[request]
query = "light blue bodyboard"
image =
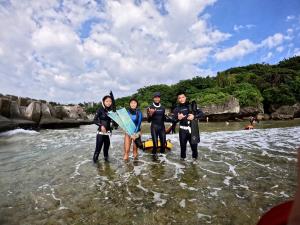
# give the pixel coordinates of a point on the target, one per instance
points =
(122, 118)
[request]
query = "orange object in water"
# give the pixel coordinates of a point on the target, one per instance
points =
(278, 215)
(249, 127)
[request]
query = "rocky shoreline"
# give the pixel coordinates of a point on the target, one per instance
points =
(27, 113)
(232, 111)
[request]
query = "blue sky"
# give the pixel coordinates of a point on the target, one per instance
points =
(268, 17)
(75, 51)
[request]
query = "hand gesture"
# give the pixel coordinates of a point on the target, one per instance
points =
(180, 116)
(151, 111)
(191, 117)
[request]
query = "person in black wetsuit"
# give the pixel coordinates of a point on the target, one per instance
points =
(182, 114)
(156, 115)
(103, 122)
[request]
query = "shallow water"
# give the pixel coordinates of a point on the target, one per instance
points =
(48, 177)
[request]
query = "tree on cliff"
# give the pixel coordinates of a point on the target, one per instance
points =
(253, 84)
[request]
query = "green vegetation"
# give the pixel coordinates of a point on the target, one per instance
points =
(270, 85)
(93, 109)
(210, 96)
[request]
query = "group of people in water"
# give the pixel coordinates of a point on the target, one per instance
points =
(287, 213)
(156, 115)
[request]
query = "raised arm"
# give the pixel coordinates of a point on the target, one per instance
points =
(149, 115)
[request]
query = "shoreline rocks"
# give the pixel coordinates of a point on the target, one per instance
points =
(228, 110)
(29, 113)
(283, 113)
(6, 124)
(26, 113)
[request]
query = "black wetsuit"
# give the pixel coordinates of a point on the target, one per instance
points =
(101, 119)
(158, 127)
(184, 132)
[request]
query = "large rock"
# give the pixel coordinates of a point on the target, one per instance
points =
(75, 112)
(251, 110)
(22, 111)
(220, 112)
(262, 116)
(297, 110)
(24, 101)
(12, 97)
(6, 124)
(283, 113)
(52, 111)
(91, 117)
(14, 110)
(5, 107)
(60, 112)
(33, 112)
(45, 111)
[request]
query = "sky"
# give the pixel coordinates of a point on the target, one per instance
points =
(78, 50)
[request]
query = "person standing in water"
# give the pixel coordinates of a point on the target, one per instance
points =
(156, 115)
(136, 116)
(103, 122)
(251, 120)
(183, 114)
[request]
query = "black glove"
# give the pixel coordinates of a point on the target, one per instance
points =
(115, 125)
(139, 143)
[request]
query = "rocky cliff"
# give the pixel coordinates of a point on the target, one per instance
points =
(33, 114)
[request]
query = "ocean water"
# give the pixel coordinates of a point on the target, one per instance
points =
(48, 177)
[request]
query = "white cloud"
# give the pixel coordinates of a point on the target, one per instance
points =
(127, 47)
(290, 17)
(273, 41)
(242, 48)
(240, 27)
(297, 51)
(267, 57)
(246, 46)
(280, 49)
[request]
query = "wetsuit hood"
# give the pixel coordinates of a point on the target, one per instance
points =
(102, 102)
(106, 108)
